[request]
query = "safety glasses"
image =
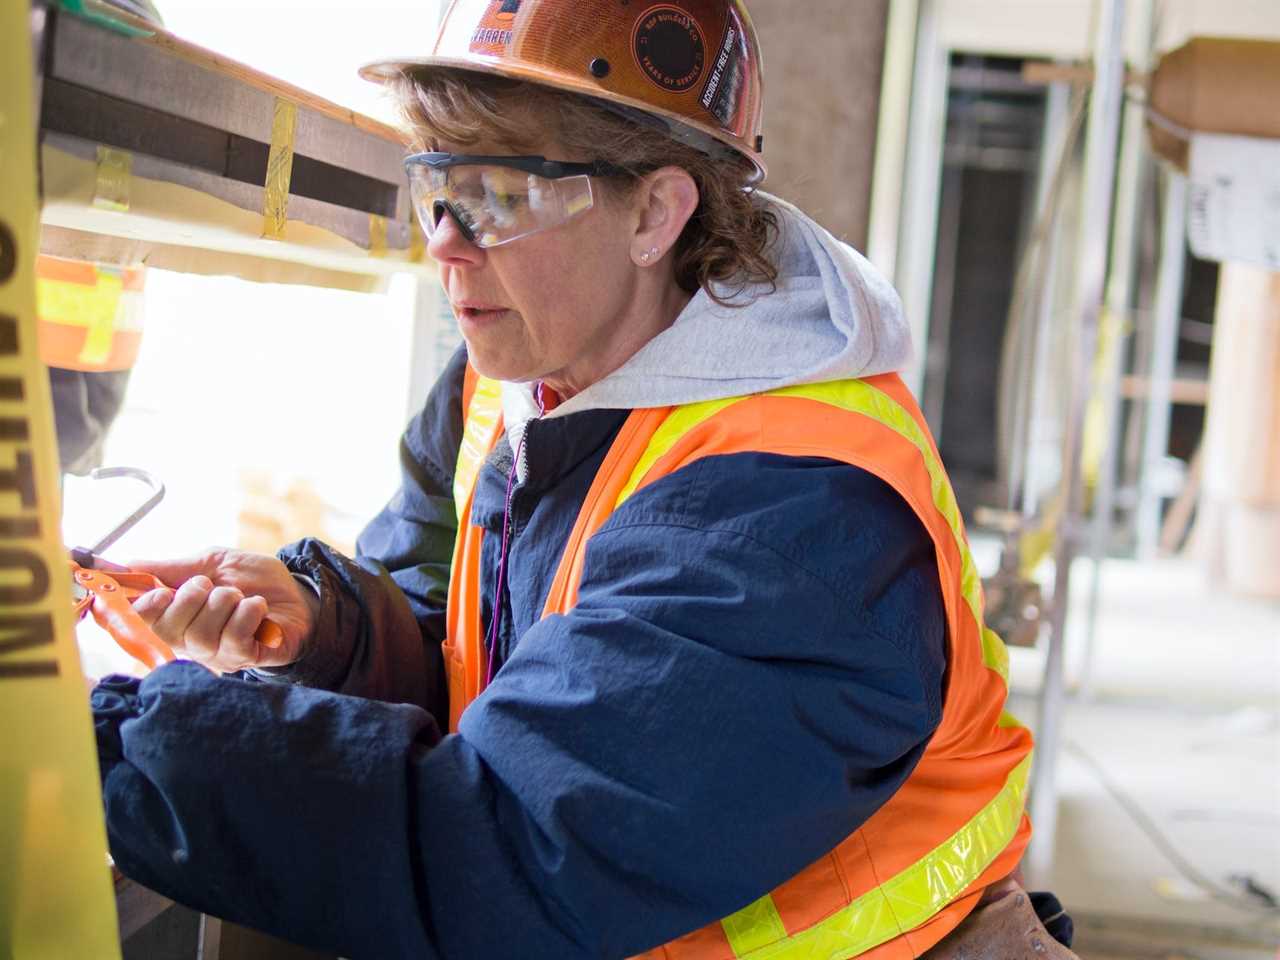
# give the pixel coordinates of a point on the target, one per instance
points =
(497, 200)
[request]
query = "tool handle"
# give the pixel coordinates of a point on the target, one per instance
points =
(120, 589)
(270, 634)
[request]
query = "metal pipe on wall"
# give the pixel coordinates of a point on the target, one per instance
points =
(1168, 313)
(1026, 482)
(922, 187)
(1134, 158)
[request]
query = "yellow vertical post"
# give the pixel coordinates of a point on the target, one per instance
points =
(56, 895)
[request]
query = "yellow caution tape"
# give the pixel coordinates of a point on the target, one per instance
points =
(377, 235)
(56, 897)
(275, 203)
(115, 170)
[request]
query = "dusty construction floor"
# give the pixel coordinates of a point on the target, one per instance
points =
(1181, 728)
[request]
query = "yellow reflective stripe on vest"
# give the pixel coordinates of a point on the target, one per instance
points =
(680, 421)
(905, 901)
(855, 396)
(477, 437)
(754, 927)
(96, 308)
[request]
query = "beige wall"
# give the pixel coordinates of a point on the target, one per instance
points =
(823, 60)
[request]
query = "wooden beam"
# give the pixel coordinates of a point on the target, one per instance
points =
(172, 44)
(1042, 73)
(1184, 390)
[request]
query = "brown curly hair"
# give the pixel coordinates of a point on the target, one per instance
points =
(726, 243)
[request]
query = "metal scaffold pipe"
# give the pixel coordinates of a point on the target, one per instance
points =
(1100, 167)
(1135, 166)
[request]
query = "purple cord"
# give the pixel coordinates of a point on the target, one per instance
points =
(502, 557)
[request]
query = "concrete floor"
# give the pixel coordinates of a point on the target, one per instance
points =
(1180, 727)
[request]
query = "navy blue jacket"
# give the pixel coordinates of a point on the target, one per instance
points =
(754, 666)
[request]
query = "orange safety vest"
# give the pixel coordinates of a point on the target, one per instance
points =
(905, 878)
(90, 316)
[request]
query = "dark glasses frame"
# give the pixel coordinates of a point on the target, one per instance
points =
(536, 165)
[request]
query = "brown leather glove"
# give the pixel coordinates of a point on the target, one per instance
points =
(1003, 927)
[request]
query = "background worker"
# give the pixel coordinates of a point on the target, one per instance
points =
(670, 639)
(90, 331)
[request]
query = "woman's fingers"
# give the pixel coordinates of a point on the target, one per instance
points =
(150, 605)
(171, 626)
(205, 632)
(214, 625)
(238, 648)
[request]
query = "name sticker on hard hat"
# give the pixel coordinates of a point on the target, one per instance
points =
(494, 33)
(669, 48)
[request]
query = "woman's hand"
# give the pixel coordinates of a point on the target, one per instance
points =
(216, 601)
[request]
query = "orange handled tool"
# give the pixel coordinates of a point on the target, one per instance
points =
(118, 586)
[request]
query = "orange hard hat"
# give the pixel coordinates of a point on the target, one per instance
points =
(693, 65)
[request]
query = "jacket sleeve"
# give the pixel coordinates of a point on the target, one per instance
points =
(752, 669)
(381, 617)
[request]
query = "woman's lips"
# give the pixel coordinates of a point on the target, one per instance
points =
(479, 313)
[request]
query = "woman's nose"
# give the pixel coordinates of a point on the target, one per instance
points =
(448, 244)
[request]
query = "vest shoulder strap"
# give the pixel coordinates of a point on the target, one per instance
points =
(481, 427)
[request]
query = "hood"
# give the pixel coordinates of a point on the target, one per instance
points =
(832, 317)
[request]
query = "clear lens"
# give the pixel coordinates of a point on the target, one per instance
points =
(495, 204)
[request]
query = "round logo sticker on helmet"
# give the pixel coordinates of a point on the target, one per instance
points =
(669, 48)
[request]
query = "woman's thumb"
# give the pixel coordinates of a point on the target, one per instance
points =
(174, 573)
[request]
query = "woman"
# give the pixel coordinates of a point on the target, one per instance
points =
(670, 639)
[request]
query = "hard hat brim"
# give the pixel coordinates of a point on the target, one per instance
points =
(676, 126)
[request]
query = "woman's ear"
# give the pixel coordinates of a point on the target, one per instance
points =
(664, 201)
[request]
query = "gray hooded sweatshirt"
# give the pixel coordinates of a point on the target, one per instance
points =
(833, 317)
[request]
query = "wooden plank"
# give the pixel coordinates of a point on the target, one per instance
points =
(216, 62)
(220, 94)
(96, 117)
(122, 67)
(352, 225)
(136, 905)
(1191, 392)
(212, 224)
(324, 138)
(79, 245)
(1042, 73)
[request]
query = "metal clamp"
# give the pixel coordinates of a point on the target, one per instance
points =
(86, 556)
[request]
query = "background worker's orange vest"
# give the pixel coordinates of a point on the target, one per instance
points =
(90, 316)
(905, 878)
